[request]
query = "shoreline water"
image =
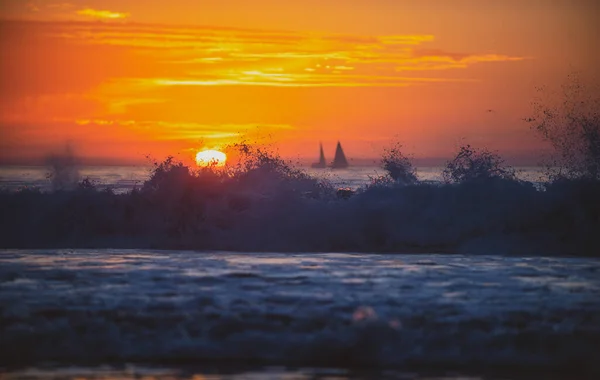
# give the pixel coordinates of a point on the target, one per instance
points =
(229, 371)
(420, 315)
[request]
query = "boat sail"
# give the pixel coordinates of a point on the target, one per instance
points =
(339, 161)
(321, 164)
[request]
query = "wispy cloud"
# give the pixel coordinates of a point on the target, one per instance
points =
(216, 56)
(164, 131)
(101, 14)
(435, 59)
(123, 66)
(132, 84)
(257, 78)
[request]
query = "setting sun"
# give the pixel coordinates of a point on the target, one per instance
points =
(211, 157)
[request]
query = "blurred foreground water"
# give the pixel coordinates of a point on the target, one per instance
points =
(220, 315)
(125, 178)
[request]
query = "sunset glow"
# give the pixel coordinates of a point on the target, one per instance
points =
(126, 79)
(211, 158)
(101, 14)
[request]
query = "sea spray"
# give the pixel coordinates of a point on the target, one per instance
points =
(64, 169)
(264, 204)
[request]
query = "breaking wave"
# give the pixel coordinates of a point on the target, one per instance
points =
(265, 204)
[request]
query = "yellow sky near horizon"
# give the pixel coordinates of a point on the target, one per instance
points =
(125, 79)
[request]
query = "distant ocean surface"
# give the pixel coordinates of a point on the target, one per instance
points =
(125, 178)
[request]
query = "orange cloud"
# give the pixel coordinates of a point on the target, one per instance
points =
(211, 135)
(143, 84)
(102, 14)
(458, 60)
(446, 61)
(123, 66)
(218, 56)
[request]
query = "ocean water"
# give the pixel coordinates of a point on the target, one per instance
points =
(125, 178)
(273, 209)
(120, 178)
(507, 303)
(220, 315)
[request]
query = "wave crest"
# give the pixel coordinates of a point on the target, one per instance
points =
(263, 203)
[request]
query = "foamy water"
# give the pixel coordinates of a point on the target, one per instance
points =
(221, 312)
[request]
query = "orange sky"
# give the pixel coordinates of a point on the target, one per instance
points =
(122, 79)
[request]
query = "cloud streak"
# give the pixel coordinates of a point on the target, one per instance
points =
(101, 14)
(218, 56)
(165, 131)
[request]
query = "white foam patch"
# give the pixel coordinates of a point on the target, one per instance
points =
(298, 309)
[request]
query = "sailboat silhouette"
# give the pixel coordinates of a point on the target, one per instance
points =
(339, 161)
(321, 164)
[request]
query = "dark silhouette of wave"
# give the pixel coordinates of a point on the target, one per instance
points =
(265, 204)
